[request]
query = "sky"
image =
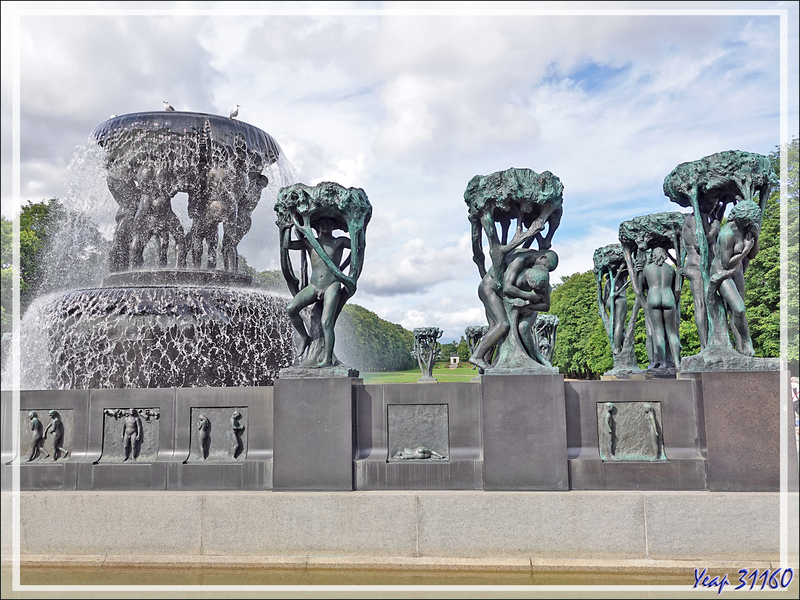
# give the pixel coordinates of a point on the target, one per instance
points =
(409, 105)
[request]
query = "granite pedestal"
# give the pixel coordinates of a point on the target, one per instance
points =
(445, 418)
(524, 433)
(314, 438)
(740, 412)
(682, 466)
(232, 462)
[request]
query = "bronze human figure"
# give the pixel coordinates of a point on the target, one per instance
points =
(326, 207)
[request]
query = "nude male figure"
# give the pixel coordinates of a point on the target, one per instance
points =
(37, 439)
(323, 287)
(518, 261)
(737, 241)
(131, 434)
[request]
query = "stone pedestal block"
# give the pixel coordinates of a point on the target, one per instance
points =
(43, 472)
(237, 454)
(524, 432)
(741, 415)
(314, 439)
(678, 464)
(444, 418)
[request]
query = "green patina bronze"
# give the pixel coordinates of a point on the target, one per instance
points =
(714, 257)
(520, 203)
(646, 242)
(611, 274)
(325, 207)
(426, 350)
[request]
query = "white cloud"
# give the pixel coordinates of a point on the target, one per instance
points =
(416, 267)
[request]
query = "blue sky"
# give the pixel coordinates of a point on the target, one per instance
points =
(410, 106)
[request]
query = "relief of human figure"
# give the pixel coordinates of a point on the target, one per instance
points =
(236, 431)
(659, 282)
(204, 435)
(607, 432)
(323, 287)
(56, 427)
(37, 438)
(737, 242)
(652, 429)
(131, 434)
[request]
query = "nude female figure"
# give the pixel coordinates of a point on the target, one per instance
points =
(660, 281)
(37, 439)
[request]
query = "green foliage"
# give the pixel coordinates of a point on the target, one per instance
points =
(34, 220)
(368, 343)
(271, 280)
(582, 350)
(763, 276)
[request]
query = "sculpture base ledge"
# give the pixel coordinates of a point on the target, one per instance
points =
(623, 373)
(177, 277)
(426, 379)
(336, 372)
(663, 373)
(539, 370)
(716, 359)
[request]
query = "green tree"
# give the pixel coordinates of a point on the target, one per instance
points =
(369, 343)
(763, 275)
(582, 350)
(34, 220)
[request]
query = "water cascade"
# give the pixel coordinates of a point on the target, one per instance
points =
(191, 318)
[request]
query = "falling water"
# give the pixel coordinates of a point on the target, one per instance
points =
(80, 334)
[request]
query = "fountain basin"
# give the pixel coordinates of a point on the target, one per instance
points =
(163, 336)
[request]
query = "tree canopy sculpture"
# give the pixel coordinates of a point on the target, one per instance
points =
(325, 207)
(716, 256)
(427, 350)
(612, 276)
(646, 242)
(546, 328)
(517, 284)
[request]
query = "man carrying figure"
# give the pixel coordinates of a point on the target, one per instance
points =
(323, 286)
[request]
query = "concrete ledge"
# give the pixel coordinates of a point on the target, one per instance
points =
(322, 528)
(394, 564)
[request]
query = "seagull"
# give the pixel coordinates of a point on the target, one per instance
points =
(168, 107)
(235, 111)
(113, 117)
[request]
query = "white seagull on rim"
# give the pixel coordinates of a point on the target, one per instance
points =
(168, 107)
(235, 111)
